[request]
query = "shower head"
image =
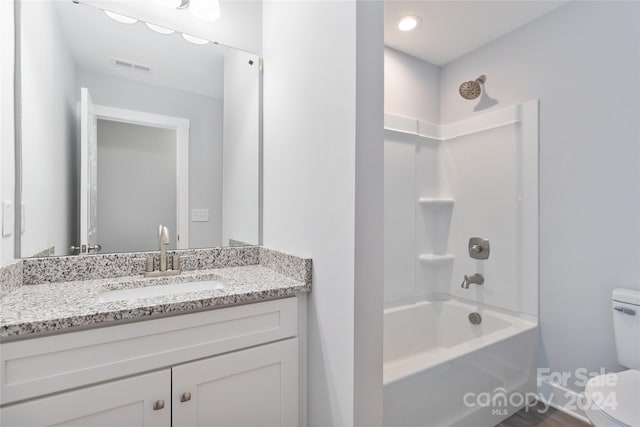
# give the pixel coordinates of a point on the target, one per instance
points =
(472, 88)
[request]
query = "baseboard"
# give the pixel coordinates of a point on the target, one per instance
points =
(561, 398)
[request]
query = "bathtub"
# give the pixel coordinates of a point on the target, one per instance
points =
(440, 370)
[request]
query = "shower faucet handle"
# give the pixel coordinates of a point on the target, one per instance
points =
(479, 248)
(476, 249)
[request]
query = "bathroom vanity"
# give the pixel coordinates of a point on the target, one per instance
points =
(73, 354)
(130, 336)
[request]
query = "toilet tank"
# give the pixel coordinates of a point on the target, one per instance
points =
(626, 326)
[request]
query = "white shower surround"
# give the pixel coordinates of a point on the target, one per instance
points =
(441, 174)
(475, 177)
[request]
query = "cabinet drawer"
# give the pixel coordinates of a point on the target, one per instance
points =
(40, 366)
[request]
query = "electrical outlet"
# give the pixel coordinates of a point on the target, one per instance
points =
(200, 215)
(8, 220)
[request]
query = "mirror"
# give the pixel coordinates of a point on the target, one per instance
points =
(126, 126)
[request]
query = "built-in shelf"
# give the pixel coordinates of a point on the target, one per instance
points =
(435, 258)
(428, 201)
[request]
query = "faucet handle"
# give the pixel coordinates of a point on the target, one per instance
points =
(148, 260)
(149, 264)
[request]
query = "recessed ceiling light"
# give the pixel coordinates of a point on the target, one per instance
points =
(408, 23)
(159, 29)
(194, 39)
(120, 18)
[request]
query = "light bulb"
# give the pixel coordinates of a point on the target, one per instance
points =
(408, 23)
(159, 29)
(194, 39)
(206, 10)
(120, 18)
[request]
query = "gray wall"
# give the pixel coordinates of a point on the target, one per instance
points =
(49, 133)
(136, 186)
(205, 140)
(582, 62)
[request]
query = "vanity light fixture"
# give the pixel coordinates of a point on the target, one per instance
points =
(159, 29)
(408, 23)
(194, 39)
(120, 18)
(206, 10)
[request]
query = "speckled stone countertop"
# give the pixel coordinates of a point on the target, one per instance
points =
(57, 306)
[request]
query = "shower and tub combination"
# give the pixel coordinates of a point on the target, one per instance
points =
(461, 266)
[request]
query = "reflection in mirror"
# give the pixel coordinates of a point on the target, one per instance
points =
(128, 126)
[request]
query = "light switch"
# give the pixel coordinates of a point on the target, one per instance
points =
(200, 215)
(7, 218)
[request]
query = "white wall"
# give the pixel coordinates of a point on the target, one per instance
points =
(137, 186)
(49, 131)
(6, 118)
(310, 134)
(369, 215)
(582, 62)
(411, 89)
(241, 136)
(205, 140)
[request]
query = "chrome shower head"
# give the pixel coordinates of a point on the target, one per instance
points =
(473, 88)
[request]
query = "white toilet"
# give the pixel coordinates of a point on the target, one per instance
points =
(615, 400)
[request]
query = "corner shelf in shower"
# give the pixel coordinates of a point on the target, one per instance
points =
(436, 258)
(428, 201)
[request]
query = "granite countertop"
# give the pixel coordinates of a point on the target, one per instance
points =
(51, 307)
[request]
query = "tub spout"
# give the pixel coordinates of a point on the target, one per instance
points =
(477, 279)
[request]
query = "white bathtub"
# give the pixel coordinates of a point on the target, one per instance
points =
(440, 370)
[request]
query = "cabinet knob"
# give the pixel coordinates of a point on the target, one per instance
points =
(158, 404)
(185, 397)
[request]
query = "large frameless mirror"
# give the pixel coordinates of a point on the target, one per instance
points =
(127, 125)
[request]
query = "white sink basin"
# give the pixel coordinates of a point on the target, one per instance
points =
(159, 290)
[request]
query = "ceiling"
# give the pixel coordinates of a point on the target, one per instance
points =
(239, 25)
(96, 40)
(450, 29)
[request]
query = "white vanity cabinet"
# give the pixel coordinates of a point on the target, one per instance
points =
(141, 401)
(257, 387)
(236, 366)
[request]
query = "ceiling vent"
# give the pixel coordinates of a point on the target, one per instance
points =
(121, 63)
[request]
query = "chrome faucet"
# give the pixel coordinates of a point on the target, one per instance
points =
(477, 279)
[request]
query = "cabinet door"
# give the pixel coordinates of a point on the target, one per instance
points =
(124, 403)
(257, 387)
